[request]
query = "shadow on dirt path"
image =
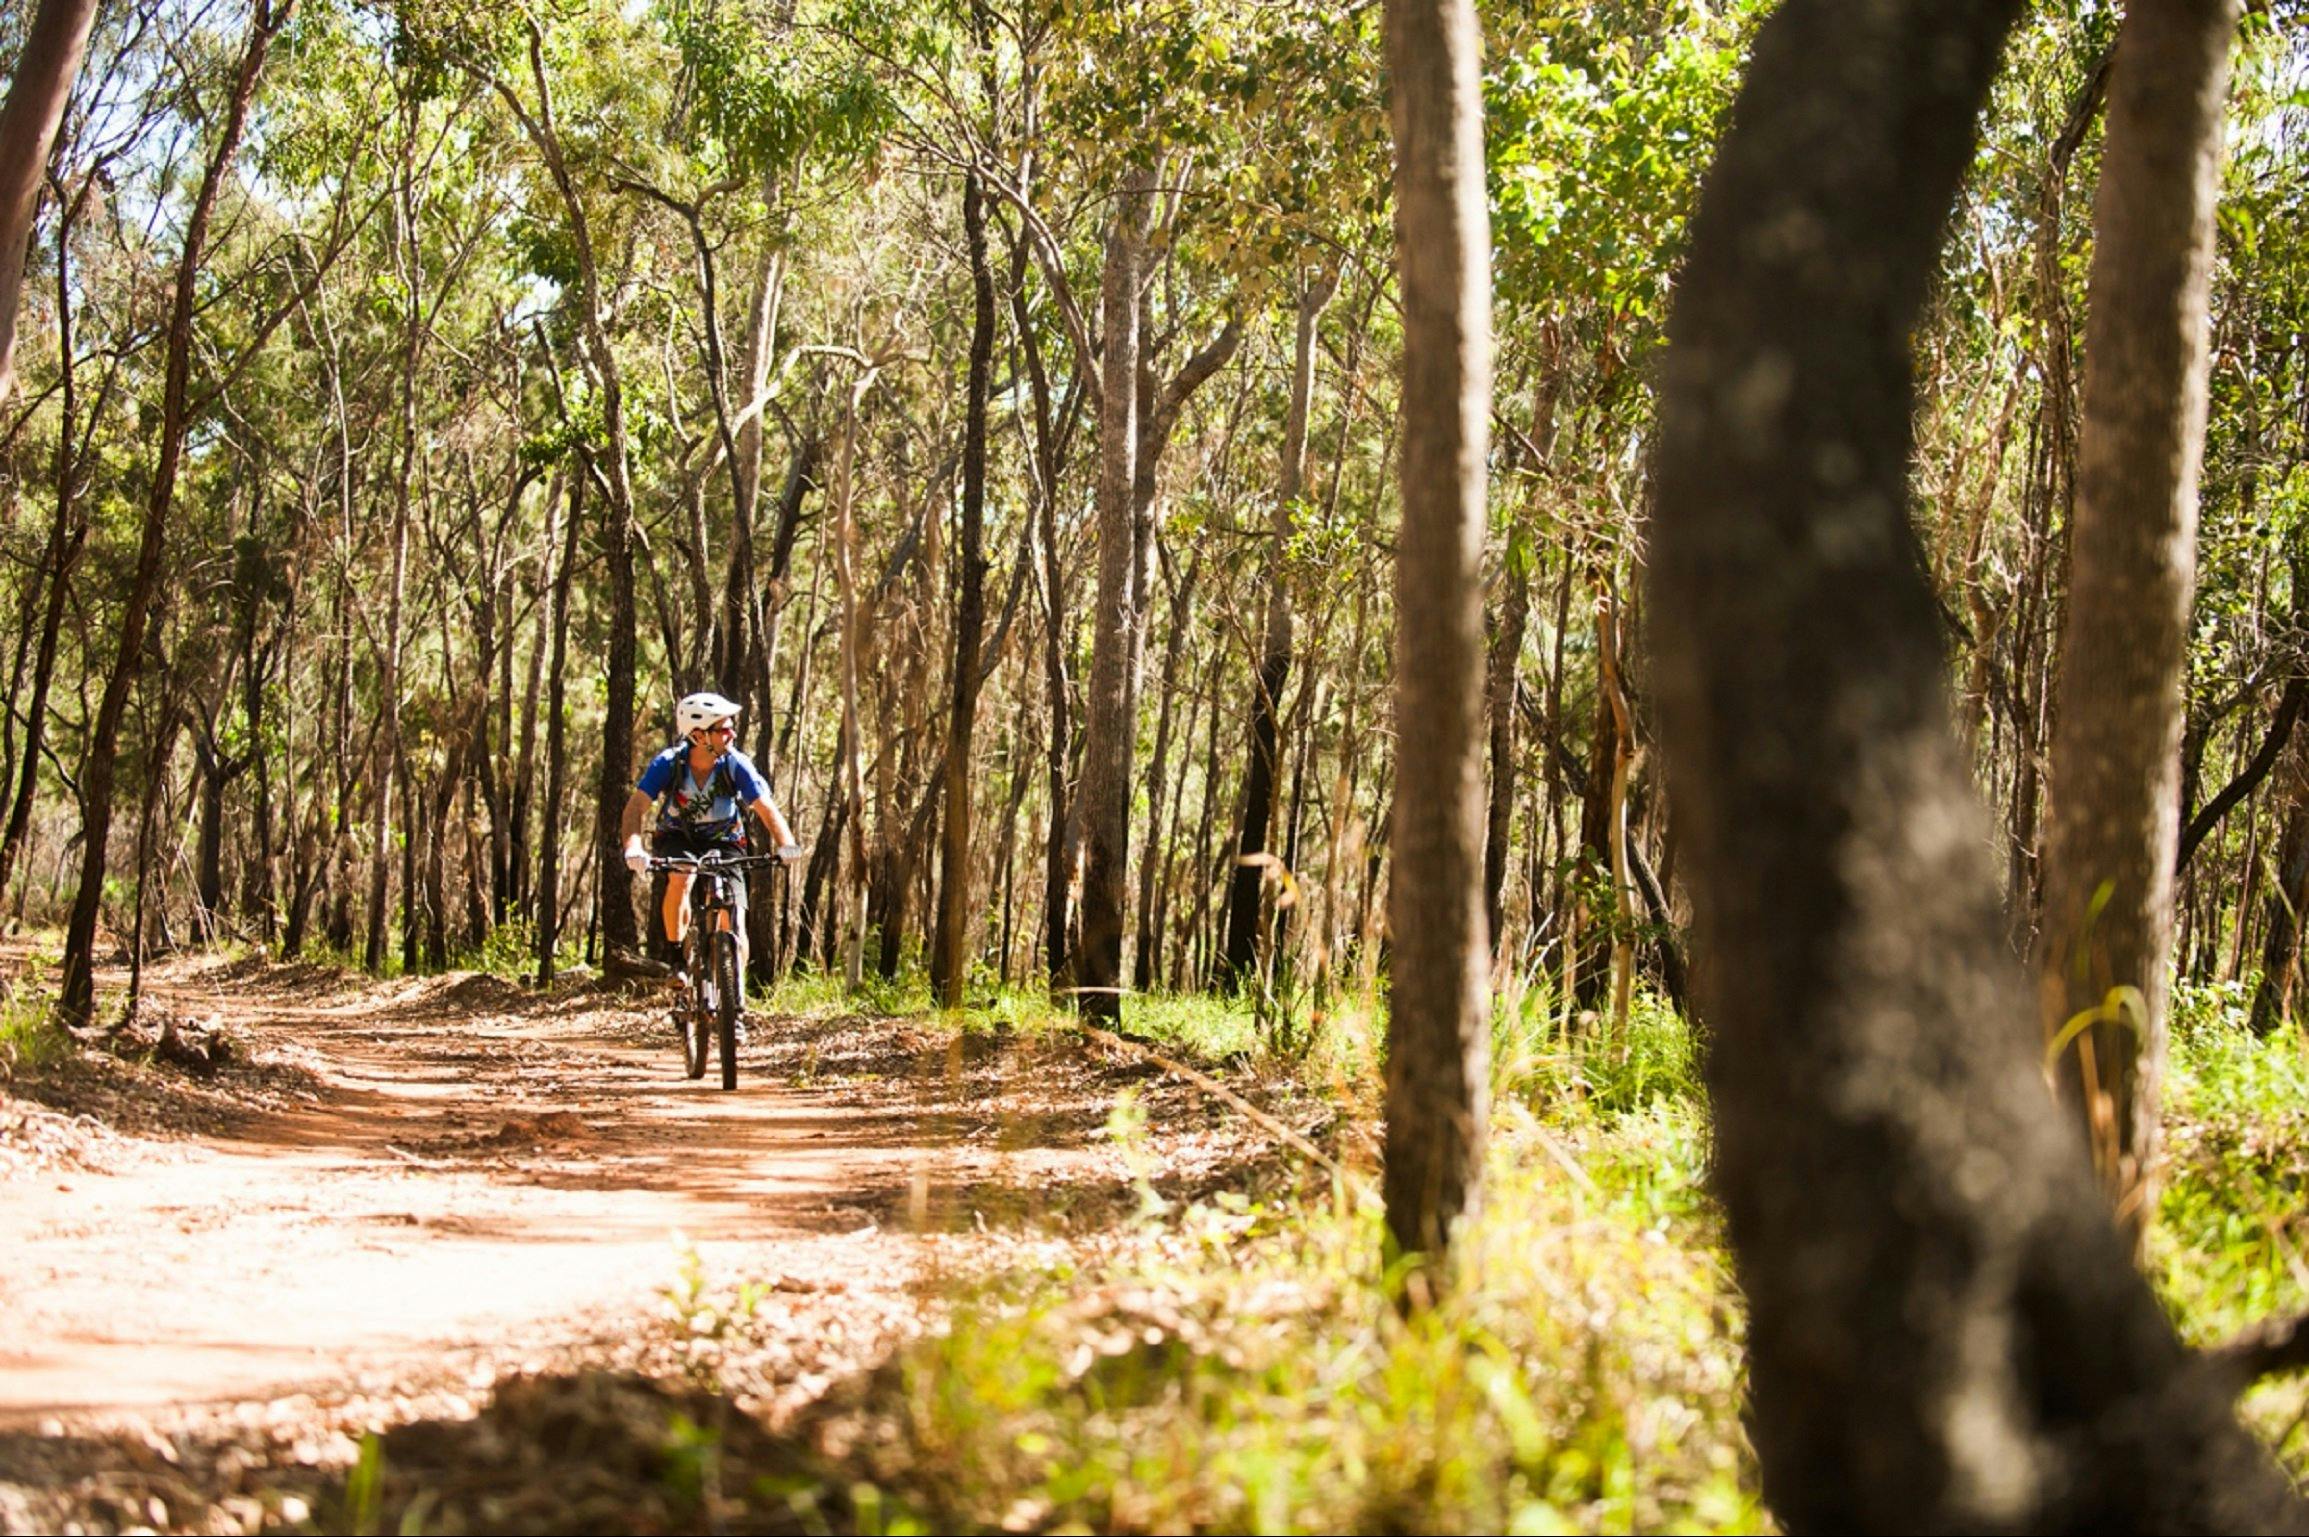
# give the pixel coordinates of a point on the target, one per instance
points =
(462, 1169)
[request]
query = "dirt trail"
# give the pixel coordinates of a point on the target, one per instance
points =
(439, 1182)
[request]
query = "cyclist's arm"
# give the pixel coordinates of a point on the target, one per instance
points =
(636, 808)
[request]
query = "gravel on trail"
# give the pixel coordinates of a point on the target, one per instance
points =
(298, 1248)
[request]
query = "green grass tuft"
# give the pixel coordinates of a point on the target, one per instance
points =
(1243, 1365)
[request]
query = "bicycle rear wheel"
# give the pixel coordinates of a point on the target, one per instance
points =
(725, 950)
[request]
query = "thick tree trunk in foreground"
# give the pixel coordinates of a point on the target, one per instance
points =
(2107, 920)
(1944, 1328)
(38, 92)
(1438, 1034)
(76, 1003)
(949, 959)
(1103, 797)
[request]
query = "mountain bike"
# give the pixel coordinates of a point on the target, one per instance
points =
(709, 1009)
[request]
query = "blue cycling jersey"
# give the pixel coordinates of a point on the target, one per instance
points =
(714, 805)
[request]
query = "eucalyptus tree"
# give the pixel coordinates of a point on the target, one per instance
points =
(39, 89)
(2104, 949)
(1595, 138)
(76, 1001)
(1438, 1062)
(536, 69)
(1944, 1328)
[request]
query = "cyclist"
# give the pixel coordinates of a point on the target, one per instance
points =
(702, 787)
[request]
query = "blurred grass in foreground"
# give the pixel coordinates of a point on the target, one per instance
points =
(2227, 1249)
(1241, 1365)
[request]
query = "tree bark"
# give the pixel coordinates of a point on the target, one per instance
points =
(1248, 876)
(2281, 951)
(76, 1003)
(1103, 798)
(389, 764)
(556, 743)
(2107, 920)
(67, 538)
(1499, 691)
(1438, 1038)
(1944, 1329)
(1146, 954)
(38, 92)
(950, 960)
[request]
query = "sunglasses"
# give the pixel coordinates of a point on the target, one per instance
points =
(715, 731)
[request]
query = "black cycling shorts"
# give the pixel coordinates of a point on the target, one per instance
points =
(691, 842)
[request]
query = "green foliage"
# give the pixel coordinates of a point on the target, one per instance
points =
(706, 1316)
(1595, 142)
(2227, 1250)
(769, 93)
(29, 1034)
(1243, 1365)
(1655, 1061)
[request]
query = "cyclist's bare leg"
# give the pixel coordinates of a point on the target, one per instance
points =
(675, 912)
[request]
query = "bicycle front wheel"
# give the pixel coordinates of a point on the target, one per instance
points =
(696, 1021)
(726, 1004)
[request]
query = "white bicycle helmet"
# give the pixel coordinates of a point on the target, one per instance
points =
(701, 710)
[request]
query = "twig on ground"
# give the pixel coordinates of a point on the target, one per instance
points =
(1210, 1085)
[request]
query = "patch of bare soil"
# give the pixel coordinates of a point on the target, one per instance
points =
(497, 1237)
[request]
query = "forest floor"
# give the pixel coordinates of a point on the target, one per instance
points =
(325, 1209)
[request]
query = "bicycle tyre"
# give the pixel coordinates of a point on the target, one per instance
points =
(694, 1018)
(725, 947)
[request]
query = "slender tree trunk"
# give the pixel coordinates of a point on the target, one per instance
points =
(76, 1004)
(2108, 914)
(1103, 805)
(1146, 954)
(2280, 954)
(556, 743)
(38, 92)
(67, 538)
(950, 960)
(525, 765)
(1499, 691)
(1438, 1035)
(389, 753)
(1249, 874)
(852, 745)
(1944, 1329)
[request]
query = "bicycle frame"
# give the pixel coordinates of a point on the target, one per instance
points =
(716, 966)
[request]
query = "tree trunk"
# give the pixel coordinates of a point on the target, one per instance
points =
(38, 92)
(76, 1004)
(2107, 920)
(556, 743)
(525, 765)
(2280, 954)
(950, 959)
(389, 754)
(1249, 874)
(1438, 1058)
(67, 538)
(1944, 1329)
(1146, 954)
(1103, 800)
(1499, 705)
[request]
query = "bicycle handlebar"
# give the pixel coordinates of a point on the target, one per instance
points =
(694, 863)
